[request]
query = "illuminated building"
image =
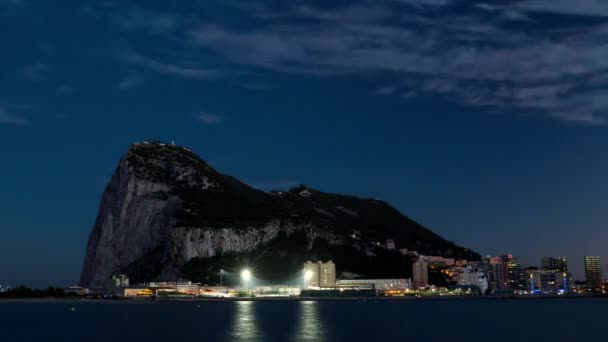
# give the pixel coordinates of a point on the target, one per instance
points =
(327, 274)
(311, 269)
(469, 277)
(120, 280)
(137, 292)
(593, 272)
(555, 263)
(548, 281)
(516, 277)
(319, 274)
(497, 277)
(376, 284)
(420, 273)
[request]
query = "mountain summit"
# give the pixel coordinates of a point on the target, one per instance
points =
(168, 215)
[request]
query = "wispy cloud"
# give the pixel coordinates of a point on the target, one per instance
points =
(156, 22)
(36, 72)
(11, 119)
(65, 89)
(462, 55)
(209, 119)
(592, 8)
(130, 81)
(167, 68)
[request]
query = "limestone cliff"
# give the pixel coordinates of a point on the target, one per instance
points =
(167, 215)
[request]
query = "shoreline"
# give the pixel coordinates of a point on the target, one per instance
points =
(136, 301)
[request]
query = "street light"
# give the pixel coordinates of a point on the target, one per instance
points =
(246, 275)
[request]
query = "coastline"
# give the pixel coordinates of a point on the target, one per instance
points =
(136, 301)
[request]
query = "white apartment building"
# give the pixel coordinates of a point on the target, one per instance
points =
(319, 274)
(468, 277)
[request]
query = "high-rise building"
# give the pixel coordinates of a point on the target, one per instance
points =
(548, 281)
(497, 277)
(516, 277)
(320, 274)
(505, 272)
(327, 274)
(555, 263)
(420, 273)
(593, 272)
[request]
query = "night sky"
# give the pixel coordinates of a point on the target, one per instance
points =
(485, 121)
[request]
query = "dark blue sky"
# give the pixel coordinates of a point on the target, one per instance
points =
(485, 121)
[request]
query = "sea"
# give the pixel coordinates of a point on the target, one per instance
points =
(552, 320)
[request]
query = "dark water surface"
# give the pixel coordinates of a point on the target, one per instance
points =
(429, 320)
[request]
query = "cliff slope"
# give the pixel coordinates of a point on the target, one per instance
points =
(168, 215)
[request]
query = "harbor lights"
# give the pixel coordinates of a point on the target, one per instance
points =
(245, 276)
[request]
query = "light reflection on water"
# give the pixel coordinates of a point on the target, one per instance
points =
(245, 326)
(304, 323)
(310, 327)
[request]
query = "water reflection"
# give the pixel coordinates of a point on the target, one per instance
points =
(310, 327)
(245, 327)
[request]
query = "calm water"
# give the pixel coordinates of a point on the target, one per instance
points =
(451, 320)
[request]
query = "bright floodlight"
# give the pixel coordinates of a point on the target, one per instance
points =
(307, 275)
(246, 275)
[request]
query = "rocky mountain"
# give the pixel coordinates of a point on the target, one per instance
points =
(168, 215)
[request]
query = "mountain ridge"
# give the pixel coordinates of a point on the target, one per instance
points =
(167, 215)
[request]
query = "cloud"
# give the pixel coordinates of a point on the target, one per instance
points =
(514, 15)
(209, 119)
(13, 120)
(12, 2)
(488, 7)
(139, 19)
(167, 68)
(64, 89)
(592, 8)
(36, 72)
(130, 81)
(385, 91)
(460, 55)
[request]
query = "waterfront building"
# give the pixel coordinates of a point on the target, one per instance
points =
(319, 274)
(516, 277)
(470, 277)
(593, 273)
(548, 281)
(420, 272)
(312, 270)
(137, 292)
(555, 263)
(497, 277)
(120, 280)
(376, 284)
(77, 290)
(188, 288)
